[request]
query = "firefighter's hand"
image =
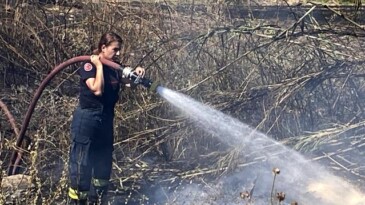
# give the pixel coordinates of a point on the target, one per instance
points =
(95, 59)
(139, 71)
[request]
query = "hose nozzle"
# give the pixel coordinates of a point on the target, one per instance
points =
(136, 79)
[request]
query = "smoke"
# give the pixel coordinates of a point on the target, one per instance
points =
(301, 180)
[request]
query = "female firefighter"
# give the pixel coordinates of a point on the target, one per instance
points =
(90, 161)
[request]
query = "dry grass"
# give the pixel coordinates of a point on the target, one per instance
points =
(298, 77)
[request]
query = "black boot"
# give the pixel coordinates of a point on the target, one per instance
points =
(98, 196)
(76, 202)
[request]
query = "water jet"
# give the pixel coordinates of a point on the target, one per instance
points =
(300, 179)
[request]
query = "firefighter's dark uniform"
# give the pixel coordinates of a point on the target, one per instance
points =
(92, 136)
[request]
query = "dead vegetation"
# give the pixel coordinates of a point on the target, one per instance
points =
(297, 76)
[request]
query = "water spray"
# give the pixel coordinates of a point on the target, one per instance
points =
(303, 180)
(127, 71)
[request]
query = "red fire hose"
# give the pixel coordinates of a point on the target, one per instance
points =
(14, 161)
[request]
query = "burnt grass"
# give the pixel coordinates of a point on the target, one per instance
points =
(294, 76)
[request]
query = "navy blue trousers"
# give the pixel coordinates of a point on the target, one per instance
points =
(91, 148)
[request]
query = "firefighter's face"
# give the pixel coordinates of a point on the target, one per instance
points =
(111, 51)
